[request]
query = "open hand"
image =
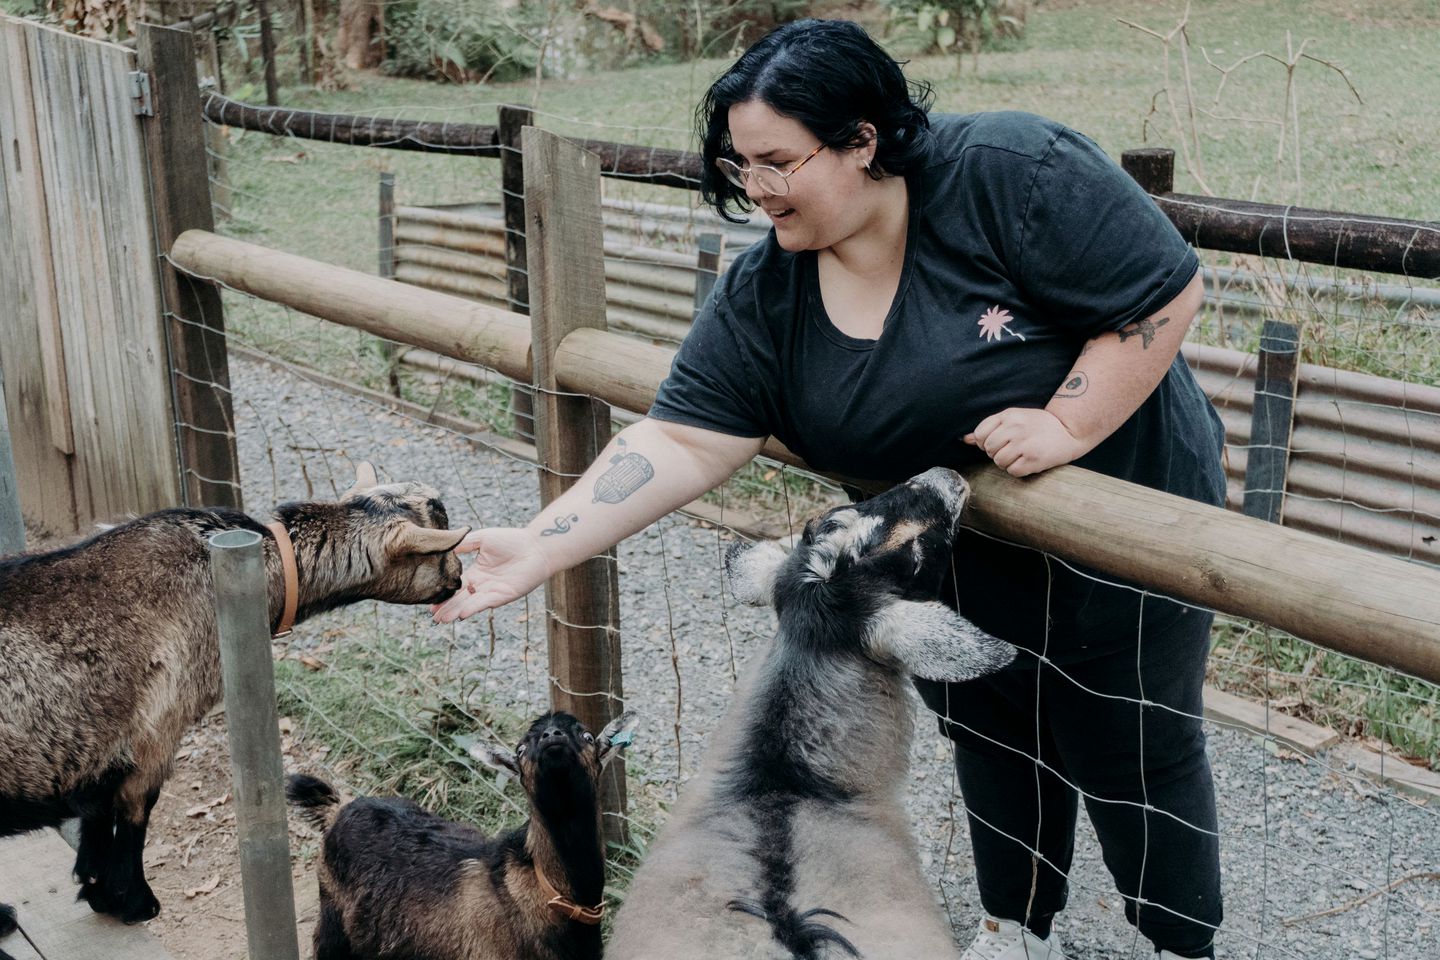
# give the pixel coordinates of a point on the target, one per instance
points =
(508, 564)
(1023, 440)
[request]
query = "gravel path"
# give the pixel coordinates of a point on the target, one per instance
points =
(1297, 837)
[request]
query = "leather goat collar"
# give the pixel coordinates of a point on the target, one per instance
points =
(292, 576)
(564, 906)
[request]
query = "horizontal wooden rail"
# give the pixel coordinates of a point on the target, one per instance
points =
(1343, 598)
(448, 325)
(1388, 245)
(629, 161)
(1409, 248)
(356, 130)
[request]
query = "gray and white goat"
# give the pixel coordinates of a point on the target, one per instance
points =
(792, 840)
(109, 651)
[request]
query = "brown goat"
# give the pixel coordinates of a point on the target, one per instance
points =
(109, 651)
(398, 881)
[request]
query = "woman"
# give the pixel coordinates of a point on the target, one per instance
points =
(937, 290)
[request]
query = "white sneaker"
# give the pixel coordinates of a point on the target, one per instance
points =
(1008, 940)
(1171, 955)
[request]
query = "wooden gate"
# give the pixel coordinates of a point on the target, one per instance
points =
(83, 340)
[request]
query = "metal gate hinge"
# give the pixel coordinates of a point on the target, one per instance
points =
(143, 105)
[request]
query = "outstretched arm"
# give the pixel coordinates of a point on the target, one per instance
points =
(646, 471)
(1113, 375)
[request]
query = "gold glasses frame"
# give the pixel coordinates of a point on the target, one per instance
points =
(777, 187)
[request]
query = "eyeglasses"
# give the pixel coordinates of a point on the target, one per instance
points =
(770, 179)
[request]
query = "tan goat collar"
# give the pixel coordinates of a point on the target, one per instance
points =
(565, 907)
(292, 576)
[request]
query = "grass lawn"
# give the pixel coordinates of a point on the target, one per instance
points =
(1080, 65)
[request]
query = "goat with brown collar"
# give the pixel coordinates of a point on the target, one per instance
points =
(399, 881)
(109, 651)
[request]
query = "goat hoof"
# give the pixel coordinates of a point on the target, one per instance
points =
(8, 922)
(141, 907)
(99, 898)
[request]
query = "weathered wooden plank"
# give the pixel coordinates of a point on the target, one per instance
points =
(79, 268)
(103, 249)
(1388, 771)
(1309, 738)
(199, 374)
(30, 199)
(38, 883)
(18, 947)
(35, 385)
(567, 292)
(12, 522)
(1272, 418)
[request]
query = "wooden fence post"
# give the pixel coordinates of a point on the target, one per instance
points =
(707, 266)
(1151, 167)
(388, 348)
(267, 52)
(217, 144)
(195, 327)
(12, 522)
(513, 119)
(1271, 421)
(566, 293)
(237, 566)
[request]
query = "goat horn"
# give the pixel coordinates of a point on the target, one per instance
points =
(365, 478)
(410, 537)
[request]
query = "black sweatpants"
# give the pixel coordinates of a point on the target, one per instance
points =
(1101, 724)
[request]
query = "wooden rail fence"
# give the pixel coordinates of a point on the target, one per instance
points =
(1338, 596)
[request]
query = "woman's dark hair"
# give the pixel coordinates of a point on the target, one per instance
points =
(830, 76)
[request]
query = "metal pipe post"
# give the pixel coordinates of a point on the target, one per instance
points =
(237, 563)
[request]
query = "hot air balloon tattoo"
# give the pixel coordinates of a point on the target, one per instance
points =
(628, 472)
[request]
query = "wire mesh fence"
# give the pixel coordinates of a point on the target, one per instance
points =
(1324, 853)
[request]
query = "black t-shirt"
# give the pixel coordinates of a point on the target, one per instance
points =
(1024, 241)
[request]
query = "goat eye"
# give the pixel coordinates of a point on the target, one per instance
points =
(589, 737)
(520, 750)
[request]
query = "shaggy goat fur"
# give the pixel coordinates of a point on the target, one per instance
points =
(398, 881)
(792, 840)
(109, 651)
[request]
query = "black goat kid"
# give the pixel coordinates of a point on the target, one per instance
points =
(398, 881)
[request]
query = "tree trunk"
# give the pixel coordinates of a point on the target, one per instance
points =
(362, 26)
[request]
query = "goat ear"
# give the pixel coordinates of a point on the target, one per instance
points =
(411, 538)
(932, 641)
(499, 759)
(751, 569)
(616, 736)
(365, 478)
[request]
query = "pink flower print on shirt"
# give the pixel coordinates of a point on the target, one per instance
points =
(996, 321)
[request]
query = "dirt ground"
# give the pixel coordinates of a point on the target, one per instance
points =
(192, 855)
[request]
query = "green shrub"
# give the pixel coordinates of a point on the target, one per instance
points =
(458, 40)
